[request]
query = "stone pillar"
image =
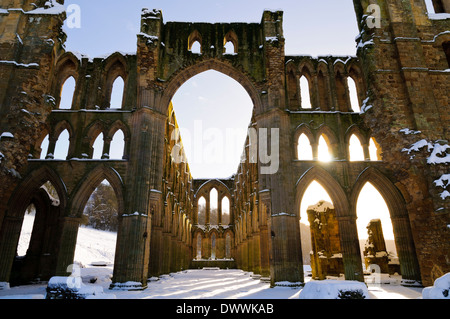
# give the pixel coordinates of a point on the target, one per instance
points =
(286, 262)
(256, 254)
(156, 252)
(9, 238)
(67, 243)
(375, 249)
(106, 147)
(131, 260)
(166, 252)
(406, 251)
(51, 148)
(265, 237)
(350, 248)
(326, 249)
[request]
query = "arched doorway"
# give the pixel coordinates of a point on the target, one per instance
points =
(99, 224)
(346, 221)
(401, 229)
(44, 193)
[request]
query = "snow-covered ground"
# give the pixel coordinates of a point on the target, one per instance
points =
(95, 246)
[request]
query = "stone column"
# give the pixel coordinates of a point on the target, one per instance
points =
(9, 238)
(106, 147)
(51, 148)
(256, 254)
(67, 243)
(350, 248)
(131, 260)
(406, 251)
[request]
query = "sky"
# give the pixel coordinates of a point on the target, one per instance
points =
(214, 111)
(212, 107)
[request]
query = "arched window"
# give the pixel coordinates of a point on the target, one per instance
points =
(98, 147)
(229, 48)
(117, 91)
(374, 150)
(304, 91)
(353, 93)
(435, 6)
(446, 47)
(67, 94)
(117, 146)
(62, 146)
(195, 42)
(323, 150)
(196, 48)
(213, 205)
(201, 219)
(356, 150)
(44, 147)
(26, 231)
(225, 211)
(230, 43)
(304, 149)
(30, 217)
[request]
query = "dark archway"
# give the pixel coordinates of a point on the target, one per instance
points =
(42, 258)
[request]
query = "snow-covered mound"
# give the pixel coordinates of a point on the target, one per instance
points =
(334, 289)
(440, 289)
(94, 247)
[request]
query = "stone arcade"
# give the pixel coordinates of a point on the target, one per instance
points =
(402, 79)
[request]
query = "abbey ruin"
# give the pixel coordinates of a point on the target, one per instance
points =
(401, 71)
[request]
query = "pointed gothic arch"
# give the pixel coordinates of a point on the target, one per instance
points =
(89, 183)
(180, 77)
(399, 215)
(346, 218)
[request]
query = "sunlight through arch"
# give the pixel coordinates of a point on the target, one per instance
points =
(372, 206)
(313, 194)
(353, 93)
(304, 90)
(374, 150)
(356, 151)
(304, 149)
(324, 150)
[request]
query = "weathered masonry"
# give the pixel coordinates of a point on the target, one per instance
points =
(401, 74)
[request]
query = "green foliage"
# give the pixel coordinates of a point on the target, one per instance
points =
(101, 211)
